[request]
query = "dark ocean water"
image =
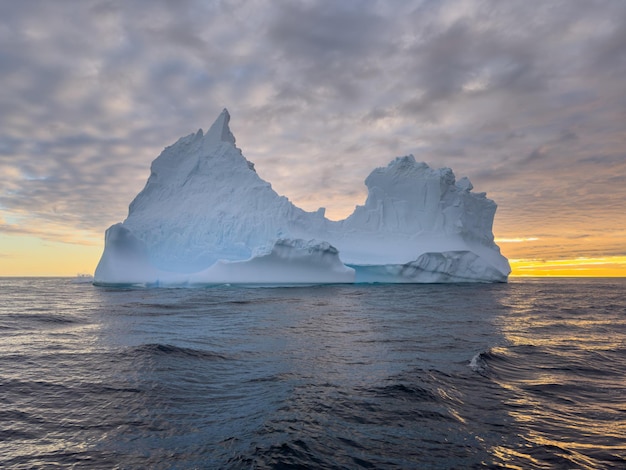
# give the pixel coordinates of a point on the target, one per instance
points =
(530, 374)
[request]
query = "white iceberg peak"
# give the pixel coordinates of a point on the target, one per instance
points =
(220, 131)
(205, 216)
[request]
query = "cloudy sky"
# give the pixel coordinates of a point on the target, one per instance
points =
(527, 99)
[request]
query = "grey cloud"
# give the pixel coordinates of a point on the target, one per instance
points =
(538, 154)
(324, 30)
(607, 52)
(567, 135)
(326, 50)
(604, 160)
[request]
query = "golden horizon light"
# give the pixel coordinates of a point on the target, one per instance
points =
(29, 256)
(610, 266)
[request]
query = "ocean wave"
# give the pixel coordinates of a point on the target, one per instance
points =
(406, 392)
(158, 349)
(483, 362)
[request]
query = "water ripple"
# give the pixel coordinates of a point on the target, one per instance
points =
(318, 377)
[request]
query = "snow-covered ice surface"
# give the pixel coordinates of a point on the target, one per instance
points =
(206, 217)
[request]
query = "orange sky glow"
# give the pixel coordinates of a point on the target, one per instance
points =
(527, 101)
(33, 256)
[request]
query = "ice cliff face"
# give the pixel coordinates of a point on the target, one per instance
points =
(205, 216)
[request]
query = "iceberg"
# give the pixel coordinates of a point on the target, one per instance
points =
(206, 217)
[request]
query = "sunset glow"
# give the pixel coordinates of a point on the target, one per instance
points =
(527, 102)
(581, 267)
(32, 256)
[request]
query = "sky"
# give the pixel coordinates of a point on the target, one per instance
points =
(527, 99)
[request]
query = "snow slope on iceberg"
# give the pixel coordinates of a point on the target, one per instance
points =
(205, 216)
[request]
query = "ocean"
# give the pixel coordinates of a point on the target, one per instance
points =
(529, 374)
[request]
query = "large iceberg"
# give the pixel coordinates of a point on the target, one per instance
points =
(206, 217)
